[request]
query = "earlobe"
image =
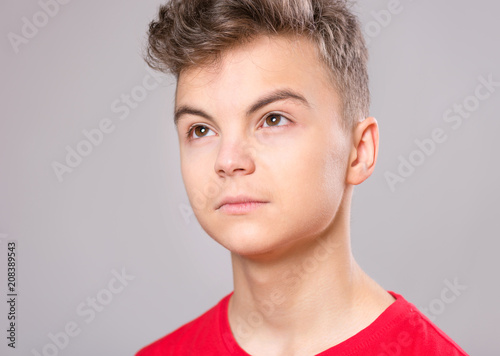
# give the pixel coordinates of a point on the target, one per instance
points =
(364, 150)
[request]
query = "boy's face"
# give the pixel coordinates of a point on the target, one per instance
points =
(294, 160)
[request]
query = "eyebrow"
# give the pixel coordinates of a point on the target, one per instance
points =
(280, 94)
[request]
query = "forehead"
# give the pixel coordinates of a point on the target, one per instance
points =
(246, 71)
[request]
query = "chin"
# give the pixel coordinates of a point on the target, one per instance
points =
(252, 250)
(246, 239)
(267, 250)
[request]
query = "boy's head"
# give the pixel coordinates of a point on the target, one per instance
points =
(191, 33)
(263, 90)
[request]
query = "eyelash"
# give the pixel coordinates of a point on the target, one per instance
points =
(190, 131)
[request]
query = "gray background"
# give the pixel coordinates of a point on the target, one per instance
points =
(125, 205)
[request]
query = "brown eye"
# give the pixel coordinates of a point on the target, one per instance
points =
(274, 120)
(199, 132)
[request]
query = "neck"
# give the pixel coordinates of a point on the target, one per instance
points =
(313, 286)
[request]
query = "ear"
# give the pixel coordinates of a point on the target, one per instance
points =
(364, 150)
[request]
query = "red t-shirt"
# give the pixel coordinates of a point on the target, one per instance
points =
(400, 330)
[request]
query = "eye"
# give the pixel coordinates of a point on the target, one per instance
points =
(198, 130)
(274, 119)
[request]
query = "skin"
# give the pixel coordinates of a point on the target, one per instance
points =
(297, 288)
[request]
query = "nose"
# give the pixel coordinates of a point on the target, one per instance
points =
(235, 157)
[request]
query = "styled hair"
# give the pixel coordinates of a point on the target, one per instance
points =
(191, 33)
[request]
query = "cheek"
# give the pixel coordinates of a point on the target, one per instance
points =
(199, 188)
(333, 167)
(314, 174)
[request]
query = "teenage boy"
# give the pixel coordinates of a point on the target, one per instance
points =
(271, 111)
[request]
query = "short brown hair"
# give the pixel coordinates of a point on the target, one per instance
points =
(196, 32)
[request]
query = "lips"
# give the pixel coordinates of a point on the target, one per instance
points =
(238, 199)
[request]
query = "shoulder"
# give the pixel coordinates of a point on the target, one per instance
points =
(400, 330)
(195, 335)
(413, 333)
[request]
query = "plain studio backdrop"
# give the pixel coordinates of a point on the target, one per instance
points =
(109, 255)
